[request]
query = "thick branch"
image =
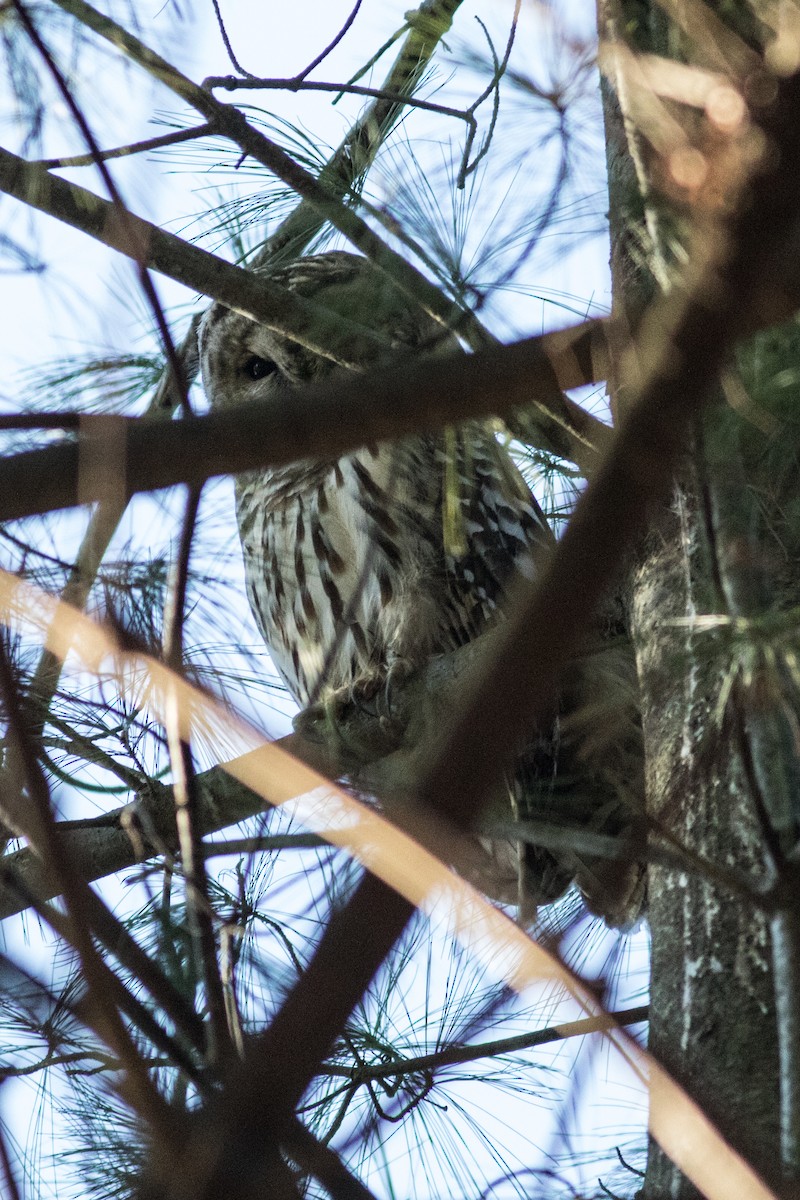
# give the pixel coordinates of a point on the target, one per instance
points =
(231, 123)
(140, 240)
(325, 420)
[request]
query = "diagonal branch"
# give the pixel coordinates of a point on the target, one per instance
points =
(251, 294)
(324, 420)
(231, 123)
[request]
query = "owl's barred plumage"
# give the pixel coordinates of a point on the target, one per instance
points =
(385, 556)
(379, 559)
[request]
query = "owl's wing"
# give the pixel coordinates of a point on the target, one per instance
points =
(490, 523)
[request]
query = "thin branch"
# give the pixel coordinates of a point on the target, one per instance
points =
(101, 846)
(154, 143)
(331, 46)
(265, 844)
(187, 799)
(456, 1055)
(232, 83)
(223, 32)
(468, 167)
(54, 1059)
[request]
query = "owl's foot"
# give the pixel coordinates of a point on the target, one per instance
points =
(357, 720)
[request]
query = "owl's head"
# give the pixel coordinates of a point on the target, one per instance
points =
(242, 360)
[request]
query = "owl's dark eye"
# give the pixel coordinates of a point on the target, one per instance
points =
(258, 368)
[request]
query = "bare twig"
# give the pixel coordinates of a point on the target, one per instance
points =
(333, 43)
(227, 41)
(468, 167)
(232, 83)
(187, 801)
(154, 143)
(350, 161)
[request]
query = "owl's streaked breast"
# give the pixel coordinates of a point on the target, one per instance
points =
(386, 555)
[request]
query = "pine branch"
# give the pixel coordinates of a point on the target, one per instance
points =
(324, 420)
(302, 320)
(456, 1055)
(231, 123)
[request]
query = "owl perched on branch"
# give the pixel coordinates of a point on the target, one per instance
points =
(367, 564)
(385, 556)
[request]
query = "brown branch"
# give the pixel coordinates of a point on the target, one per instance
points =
(251, 294)
(153, 143)
(231, 123)
(199, 908)
(333, 43)
(234, 83)
(325, 420)
(455, 1055)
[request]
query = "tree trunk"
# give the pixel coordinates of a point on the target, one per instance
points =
(712, 1021)
(712, 1007)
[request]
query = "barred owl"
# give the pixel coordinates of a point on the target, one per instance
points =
(357, 563)
(381, 558)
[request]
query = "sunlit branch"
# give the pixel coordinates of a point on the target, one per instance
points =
(251, 1104)
(455, 1055)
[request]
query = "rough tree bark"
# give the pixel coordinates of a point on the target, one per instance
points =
(712, 1015)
